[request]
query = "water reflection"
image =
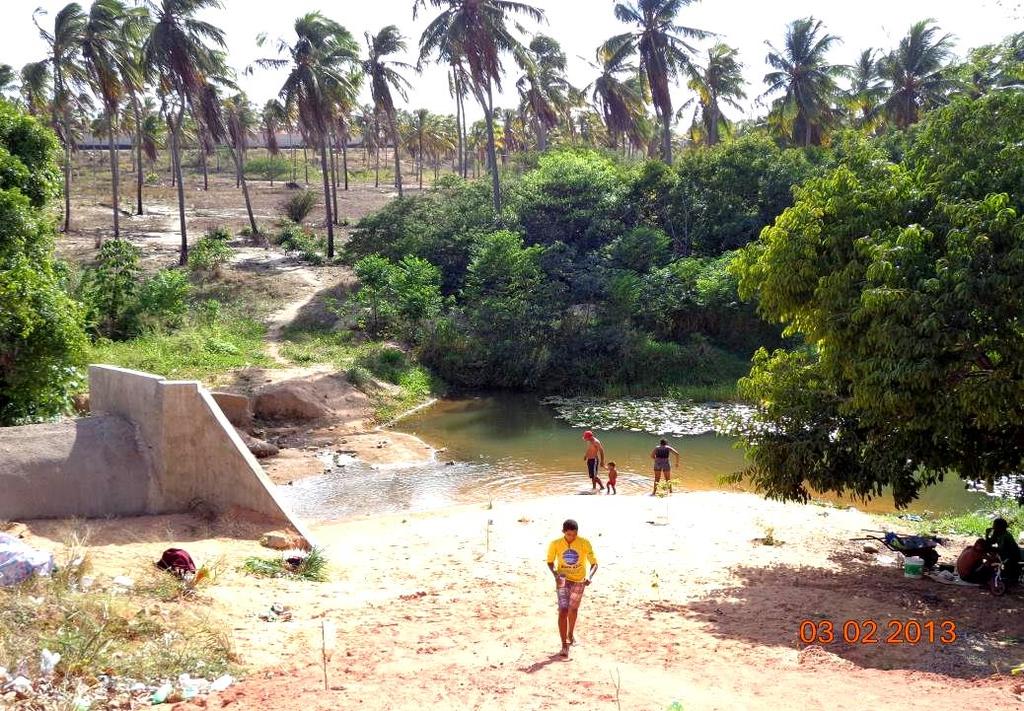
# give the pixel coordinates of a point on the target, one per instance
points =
(510, 447)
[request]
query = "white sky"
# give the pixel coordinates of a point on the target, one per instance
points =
(579, 25)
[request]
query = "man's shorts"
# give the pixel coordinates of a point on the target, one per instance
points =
(592, 467)
(662, 465)
(570, 595)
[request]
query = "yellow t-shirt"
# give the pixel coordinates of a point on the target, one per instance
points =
(570, 558)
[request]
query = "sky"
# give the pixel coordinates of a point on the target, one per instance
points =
(579, 25)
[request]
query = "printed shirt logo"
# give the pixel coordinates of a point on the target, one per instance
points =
(571, 557)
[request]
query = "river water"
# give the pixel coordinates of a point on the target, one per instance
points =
(505, 447)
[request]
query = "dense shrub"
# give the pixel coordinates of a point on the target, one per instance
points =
(300, 205)
(209, 254)
(111, 288)
(269, 168)
(41, 327)
(398, 297)
(163, 300)
(296, 238)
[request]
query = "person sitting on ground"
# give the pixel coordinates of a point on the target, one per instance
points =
(975, 563)
(999, 539)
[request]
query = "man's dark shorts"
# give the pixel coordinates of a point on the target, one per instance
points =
(592, 465)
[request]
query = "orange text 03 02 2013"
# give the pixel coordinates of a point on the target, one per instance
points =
(877, 632)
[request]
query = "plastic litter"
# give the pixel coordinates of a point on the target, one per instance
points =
(221, 683)
(123, 581)
(161, 694)
(48, 662)
(20, 561)
(21, 686)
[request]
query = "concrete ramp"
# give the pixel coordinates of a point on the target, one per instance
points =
(90, 467)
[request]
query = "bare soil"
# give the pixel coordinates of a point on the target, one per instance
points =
(455, 609)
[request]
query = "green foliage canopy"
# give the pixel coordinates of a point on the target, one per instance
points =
(906, 282)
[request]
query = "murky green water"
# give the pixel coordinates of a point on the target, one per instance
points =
(506, 447)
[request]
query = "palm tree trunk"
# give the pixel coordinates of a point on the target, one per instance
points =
(398, 154)
(176, 163)
(236, 157)
(327, 196)
(305, 160)
(458, 125)
(206, 170)
(491, 153)
(294, 161)
(67, 179)
(334, 178)
(344, 157)
(666, 118)
(138, 155)
(115, 176)
(421, 160)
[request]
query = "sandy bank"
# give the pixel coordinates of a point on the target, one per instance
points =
(454, 609)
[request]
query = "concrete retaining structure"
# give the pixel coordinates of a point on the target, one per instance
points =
(184, 449)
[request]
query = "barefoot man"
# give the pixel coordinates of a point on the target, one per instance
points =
(594, 459)
(660, 455)
(567, 559)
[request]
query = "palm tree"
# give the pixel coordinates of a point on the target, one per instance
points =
(867, 90)
(240, 122)
(473, 33)
(915, 72)
(64, 42)
(807, 80)
(272, 118)
(664, 52)
(8, 79)
(383, 75)
(35, 87)
(109, 40)
(319, 60)
(177, 51)
(619, 94)
(720, 82)
(544, 88)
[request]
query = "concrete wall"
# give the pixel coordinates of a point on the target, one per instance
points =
(195, 451)
(91, 467)
(152, 446)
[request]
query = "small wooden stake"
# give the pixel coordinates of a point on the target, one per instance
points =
(328, 633)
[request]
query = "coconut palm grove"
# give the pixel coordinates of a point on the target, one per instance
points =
(836, 250)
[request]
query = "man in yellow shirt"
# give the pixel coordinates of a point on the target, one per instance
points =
(567, 560)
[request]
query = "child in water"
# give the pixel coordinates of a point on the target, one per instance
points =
(613, 474)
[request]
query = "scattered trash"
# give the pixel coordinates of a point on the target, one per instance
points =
(123, 581)
(276, 613)
(20, 686)
(20, 561)
(161, 694)
(48, 662)
(221, 683)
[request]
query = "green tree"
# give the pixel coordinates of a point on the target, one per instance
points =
(619, 93)
(240, 122)
(36, 86)
(663, 50)
(384, 76)
(473, 34)
(916, 73)
(41, 334)
(807, 82)
(320, 62)
(64, 41)
(905, 282)
(544, 88)
(178, 51)
(109, 40)
(719, 82)
(867, 91)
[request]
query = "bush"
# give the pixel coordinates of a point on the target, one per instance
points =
(222, 234)
(268, 168)
(163, 300)
(298, 206)
(296, 238)
(640, 250)
(209, 254)
(110, 290)
(401, 296)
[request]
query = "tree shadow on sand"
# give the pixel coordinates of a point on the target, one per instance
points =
(769, 605)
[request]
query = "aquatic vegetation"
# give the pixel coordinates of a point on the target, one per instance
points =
(659, 416)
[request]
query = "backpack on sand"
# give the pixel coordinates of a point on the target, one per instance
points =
(177, 561)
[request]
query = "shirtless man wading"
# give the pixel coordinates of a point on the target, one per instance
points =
(594, 459)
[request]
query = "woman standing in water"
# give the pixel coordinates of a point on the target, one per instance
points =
(660, 455)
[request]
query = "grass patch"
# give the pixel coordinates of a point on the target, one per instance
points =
(197, 351)
(312, 567)
(972, 523)
(99, 631)
(364, 363)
